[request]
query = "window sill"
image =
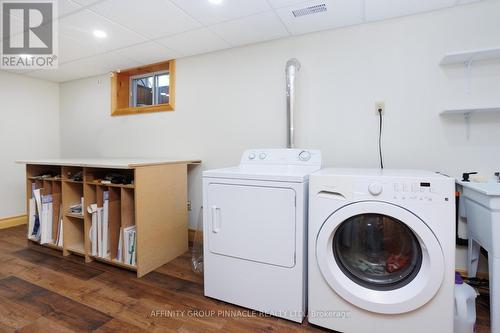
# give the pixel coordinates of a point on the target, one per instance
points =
(142, 109)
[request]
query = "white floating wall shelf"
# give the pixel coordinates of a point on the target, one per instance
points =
(470, 111)
(466, 57)
(467, 114)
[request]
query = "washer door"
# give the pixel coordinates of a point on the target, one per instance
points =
(380, 257)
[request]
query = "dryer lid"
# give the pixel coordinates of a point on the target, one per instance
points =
(286, 165)
(281, 173)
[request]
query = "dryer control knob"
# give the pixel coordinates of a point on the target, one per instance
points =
(305, 155)
(251, 156)
(262, 156)
(375, 188)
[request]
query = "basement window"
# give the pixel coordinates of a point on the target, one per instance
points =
(144, 89)
(149, 89)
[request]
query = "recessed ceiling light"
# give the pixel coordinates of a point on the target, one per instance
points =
(100, 34)
(215, 2)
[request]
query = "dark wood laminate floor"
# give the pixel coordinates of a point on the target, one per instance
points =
(45, 292)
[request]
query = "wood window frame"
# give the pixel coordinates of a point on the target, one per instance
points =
(120, 89)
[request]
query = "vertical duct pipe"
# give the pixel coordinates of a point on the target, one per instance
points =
(292, 67)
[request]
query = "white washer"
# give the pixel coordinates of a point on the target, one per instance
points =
(255, 231)
(381, 251)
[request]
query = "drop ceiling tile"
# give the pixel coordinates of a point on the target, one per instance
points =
(339, 13)
(66, 7)
(463, 2)
(71, 49)
(251, 29)
(195, 42)
(87, 2)
(152, 18)
(283, 3)
(148, 53)
(384, 9)
(80, 26)
(208, 14)
(92, 66)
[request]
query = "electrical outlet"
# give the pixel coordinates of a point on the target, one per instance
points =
(379, 106)
(189, 206)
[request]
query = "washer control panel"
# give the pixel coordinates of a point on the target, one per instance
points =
(375, 188)
(422, 191)
(305, 157)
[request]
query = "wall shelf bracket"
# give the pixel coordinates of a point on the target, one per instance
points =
(467, 117)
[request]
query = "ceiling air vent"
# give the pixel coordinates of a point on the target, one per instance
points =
(309, 10)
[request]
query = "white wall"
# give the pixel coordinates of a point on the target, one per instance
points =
(29, 129)
(233, 100)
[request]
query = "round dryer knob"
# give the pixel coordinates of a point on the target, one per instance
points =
(375, 188)
(251, 156)
(305, 155)
(262, 156)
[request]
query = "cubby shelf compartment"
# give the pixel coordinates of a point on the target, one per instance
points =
(76, 216)
(96, 183)
(49, 245)
(53, 179)
(115, 263)
(76, 248)
(72, 181)
(155, 203)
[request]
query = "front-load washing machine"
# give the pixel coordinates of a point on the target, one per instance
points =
(255, 231)
(381, 251)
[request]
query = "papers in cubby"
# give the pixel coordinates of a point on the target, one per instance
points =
(76, 208)
(129, 239)
(32, 216)
(46, 220)
(119, 253)
(92, 209)
(59, 237)
(105, 225)
(99, 230)
(36, 207)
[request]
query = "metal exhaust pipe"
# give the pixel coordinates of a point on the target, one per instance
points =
(292, 67)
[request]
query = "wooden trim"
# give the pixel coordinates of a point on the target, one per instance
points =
(114, 93)
(142, 109)
(172, 70)
(13, 221)
(120, 89)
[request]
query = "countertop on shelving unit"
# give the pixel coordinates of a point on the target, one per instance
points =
(115, 163)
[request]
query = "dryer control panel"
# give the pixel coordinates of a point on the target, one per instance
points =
(306, 157)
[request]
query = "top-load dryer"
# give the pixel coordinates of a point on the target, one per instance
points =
(255, 223)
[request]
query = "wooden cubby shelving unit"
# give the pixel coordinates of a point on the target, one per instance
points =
(156, 202)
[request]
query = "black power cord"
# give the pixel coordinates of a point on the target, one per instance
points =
(380, 138)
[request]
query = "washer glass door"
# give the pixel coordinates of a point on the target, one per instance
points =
(377, 251)
(380, 257)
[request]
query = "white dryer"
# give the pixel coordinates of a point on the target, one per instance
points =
(255, 231)
(381, 251)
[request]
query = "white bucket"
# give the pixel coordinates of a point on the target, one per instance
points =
(465, 307)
